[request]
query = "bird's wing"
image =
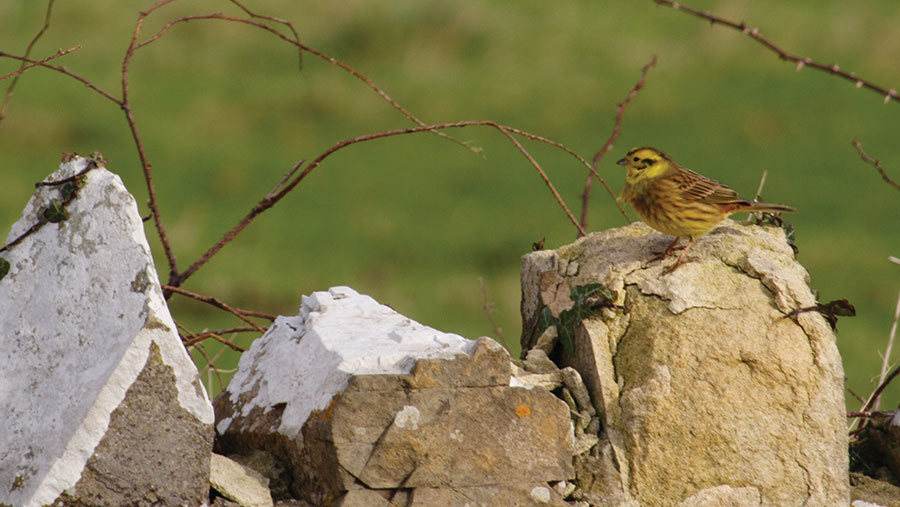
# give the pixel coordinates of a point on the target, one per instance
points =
(696, 187)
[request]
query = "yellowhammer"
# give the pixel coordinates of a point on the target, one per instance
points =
(677, 201)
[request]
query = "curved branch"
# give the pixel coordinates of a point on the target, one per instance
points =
(272, 198)
(754, 34)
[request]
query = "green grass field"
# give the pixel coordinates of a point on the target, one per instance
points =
(415, 220)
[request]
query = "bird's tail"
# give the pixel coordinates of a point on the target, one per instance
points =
(769, 207)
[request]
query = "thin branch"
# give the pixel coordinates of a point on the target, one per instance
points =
(880, 389)
(284, 22)
(270, 200)
(762, 182)
(858, 397)
(64, 70)
(617, 129)
(754, 34)
(24, 66)
(209, 364)
(194, 339)
(125, 104)
(885, 362)
(218, 303)
(489, 310)
(875, 163)
(329, 59)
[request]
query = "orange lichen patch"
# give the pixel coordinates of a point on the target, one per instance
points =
(523, 411)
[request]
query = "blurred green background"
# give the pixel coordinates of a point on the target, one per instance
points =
(414, 221)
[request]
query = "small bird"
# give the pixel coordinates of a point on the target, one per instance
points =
(677, 201)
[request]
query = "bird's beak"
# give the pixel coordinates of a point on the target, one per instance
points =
(621, 161)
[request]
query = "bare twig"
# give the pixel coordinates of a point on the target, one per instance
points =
(125, 104)
(284, 22)
(865, 415)
(489, 310)
(194, 339)
(278, 186)
(329, 59)
(867, 406)
(875, 163)
(237, 312)
(754, 34)
(271, 200)
(762, 182)
(61, 69)
(217, 334)
(25, 66)
(885, 362)
(858, 397)
(617, 129)
(210, 364)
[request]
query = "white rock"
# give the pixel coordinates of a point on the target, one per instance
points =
(80, 310)
(337, 334)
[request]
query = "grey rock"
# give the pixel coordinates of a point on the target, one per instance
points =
(102, 404)
(239, 483)
(452, 425)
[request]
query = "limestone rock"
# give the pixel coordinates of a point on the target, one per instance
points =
(366, 403)
(699, 367)
(102, 404)
(867, 492)
(239, 483)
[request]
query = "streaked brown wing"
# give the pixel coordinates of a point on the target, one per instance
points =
(696, 187)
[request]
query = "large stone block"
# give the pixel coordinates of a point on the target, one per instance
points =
(101, 403)
(365, 403)
(702, 382)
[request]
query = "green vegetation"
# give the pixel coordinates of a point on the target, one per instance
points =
(415, 220)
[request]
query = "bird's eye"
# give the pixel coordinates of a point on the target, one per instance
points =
(635, 159)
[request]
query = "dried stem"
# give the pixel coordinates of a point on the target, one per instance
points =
(875, 163)
(885, 362)
(237, 312)
(617, 129)
(194, 339)
(25, 66)
(272, 199)
(152, 202)
(303, 47)
(876, 394)
(489, 310)
(754, 34)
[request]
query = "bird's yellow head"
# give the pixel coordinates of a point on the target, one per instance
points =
(645, 164)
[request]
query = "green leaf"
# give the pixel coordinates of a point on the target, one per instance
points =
(4, 267)
(55, 212)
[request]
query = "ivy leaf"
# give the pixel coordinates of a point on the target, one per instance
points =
(4, 267)
(55, 212)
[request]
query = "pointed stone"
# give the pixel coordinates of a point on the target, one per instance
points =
(102, 404)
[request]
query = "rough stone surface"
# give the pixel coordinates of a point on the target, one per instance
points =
(699, 368)
(723, 496)
(868, 491)
(239, 483)
(102, 404)
(304, 361)
(450, 424)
